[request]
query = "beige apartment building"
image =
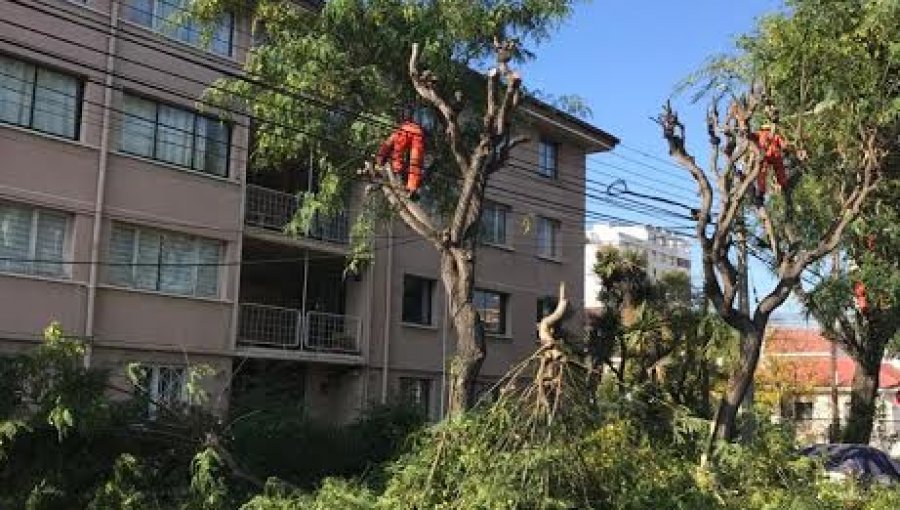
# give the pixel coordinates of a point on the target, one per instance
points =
(130, 217)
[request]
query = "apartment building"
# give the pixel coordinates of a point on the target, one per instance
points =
(130, 217)
(663, 250)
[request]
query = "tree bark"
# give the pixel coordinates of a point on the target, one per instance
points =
(738, 383)
(863, 399)
(458, 276)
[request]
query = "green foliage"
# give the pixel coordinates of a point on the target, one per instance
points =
(334, 493)
(660, 336)
(65, 444)
(331, 83)
(208, 489)
(267, 439)
(125, 489)
(596, 455)
(623, 446)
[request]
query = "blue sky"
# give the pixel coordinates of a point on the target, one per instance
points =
(624, 59)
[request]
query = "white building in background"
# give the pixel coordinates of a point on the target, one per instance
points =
(665, 251)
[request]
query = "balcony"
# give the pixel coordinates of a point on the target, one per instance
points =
(298, 334)
(272, 210)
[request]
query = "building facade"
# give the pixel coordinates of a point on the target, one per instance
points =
(129, 216)
(664, 251)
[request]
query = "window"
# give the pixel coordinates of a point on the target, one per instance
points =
(493, 223)
(416, 393)
(32, 241)
(164, 386)
(174, 135)
(548, 156)
(492, 308)
(39, 99)
(163, 16)
(417, 300)
(803, 411)
(143, 258)
(545, 306)
(548, 238)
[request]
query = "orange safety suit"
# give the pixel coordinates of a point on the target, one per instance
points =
(408, 138)
(772, 146)
(859, 292)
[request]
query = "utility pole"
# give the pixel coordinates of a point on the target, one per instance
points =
(835, 429)
(744, 302)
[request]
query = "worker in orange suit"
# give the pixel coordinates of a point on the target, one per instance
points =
(859, 292)
(772, 146)
(407, 140)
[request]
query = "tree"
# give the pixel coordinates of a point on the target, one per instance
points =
(330, 83)
(864, 331)
(824, 75)
(660, 337)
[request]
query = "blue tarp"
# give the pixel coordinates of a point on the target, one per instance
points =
(861, 461)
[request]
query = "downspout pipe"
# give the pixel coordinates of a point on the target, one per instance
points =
(444, 325)
(388, 315)
(102, 165)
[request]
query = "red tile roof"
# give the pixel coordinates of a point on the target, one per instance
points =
(803, 355)
(796, 340)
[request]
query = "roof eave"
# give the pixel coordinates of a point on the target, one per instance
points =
(590, 137)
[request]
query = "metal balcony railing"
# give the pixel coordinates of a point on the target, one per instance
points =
(331, 332)
(269, 326)
(272, 210)
(289, 329)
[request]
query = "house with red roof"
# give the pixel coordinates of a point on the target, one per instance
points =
(802, 367)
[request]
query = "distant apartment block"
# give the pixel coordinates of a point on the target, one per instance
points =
(131, 217)
(663, 251)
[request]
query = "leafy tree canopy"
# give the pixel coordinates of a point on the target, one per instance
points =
(331, 82)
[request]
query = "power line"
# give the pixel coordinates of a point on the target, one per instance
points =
(307, 98)
(619, 203)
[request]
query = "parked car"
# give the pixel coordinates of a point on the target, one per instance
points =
(862, 462)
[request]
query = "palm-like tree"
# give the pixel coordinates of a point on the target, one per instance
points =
(623, 279)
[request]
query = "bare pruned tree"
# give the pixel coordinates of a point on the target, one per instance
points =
(456, 243)
(735, 161)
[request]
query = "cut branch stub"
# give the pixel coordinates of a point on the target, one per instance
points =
(546, 328)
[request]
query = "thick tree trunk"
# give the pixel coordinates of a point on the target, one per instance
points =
(458, 276)
(863, 401)
(726, 415)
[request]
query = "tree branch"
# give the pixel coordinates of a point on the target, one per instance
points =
(850, 208)
(423, 82)
(409, 211)
(548, 323)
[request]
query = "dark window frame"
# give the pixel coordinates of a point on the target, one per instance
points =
(431, 285)
(503, 321)
(548, 172)
(155, 27)
(194, 135)
(425, 387)
(158, 267)
(495, 207)
(79, 97)
(545, 305)
(803, 411)
(555, 227)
